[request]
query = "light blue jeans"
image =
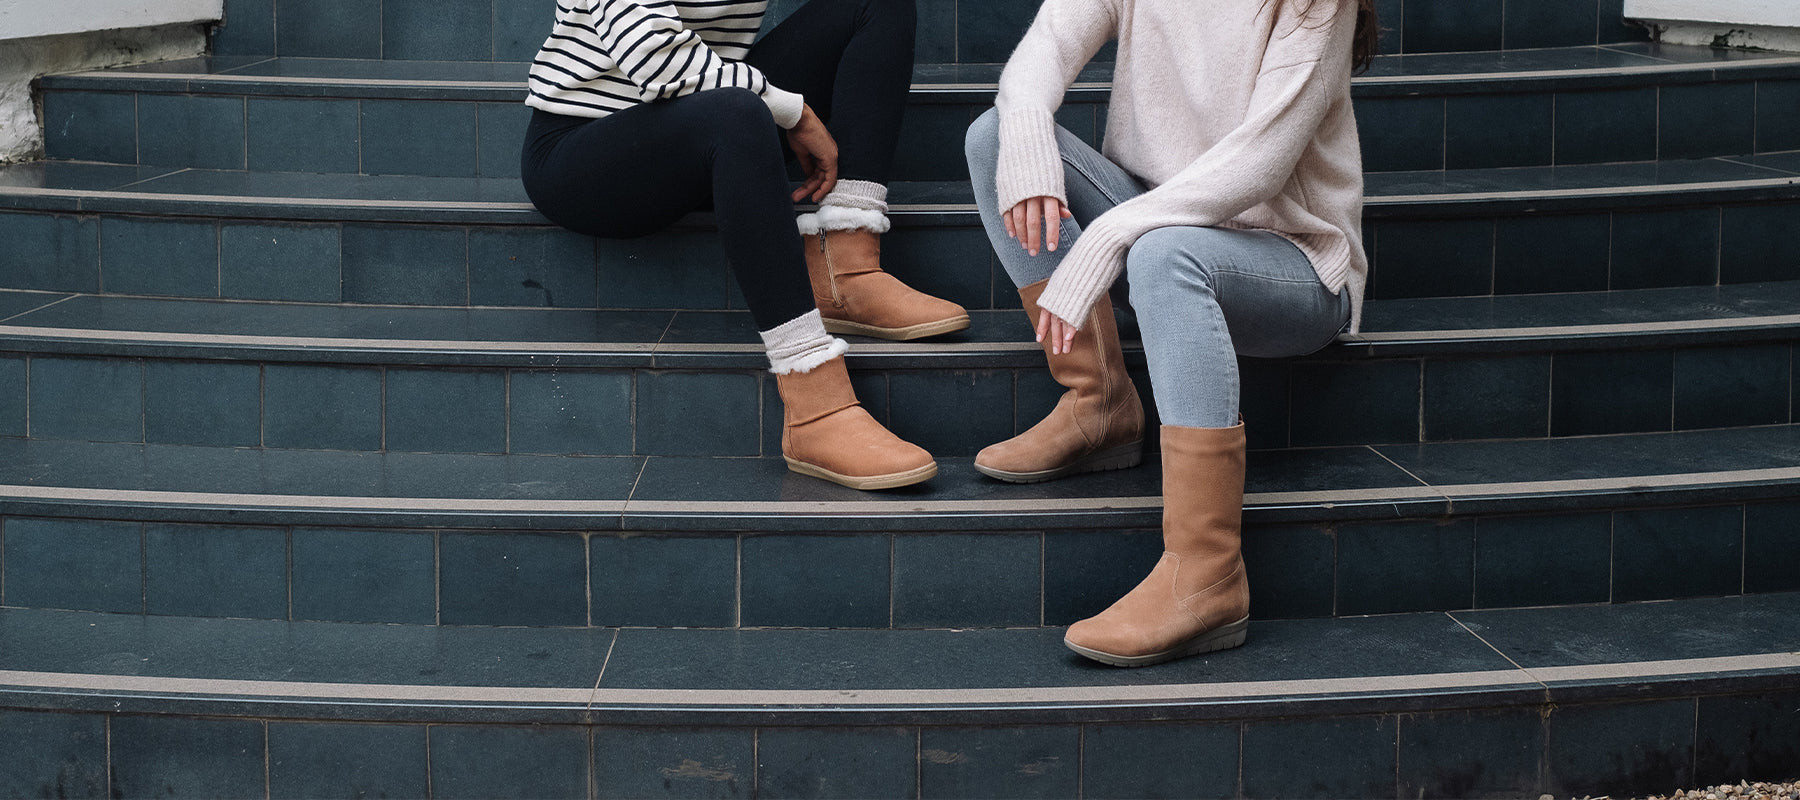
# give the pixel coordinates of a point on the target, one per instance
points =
(1203, 296)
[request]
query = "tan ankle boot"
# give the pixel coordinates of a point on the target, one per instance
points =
(856, 297)
(827, 434)
(1197, 599)
(1097, 425)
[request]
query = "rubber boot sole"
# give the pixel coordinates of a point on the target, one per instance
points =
(891, 480)
(1123, 456)
(1223, 637)
(842, 327)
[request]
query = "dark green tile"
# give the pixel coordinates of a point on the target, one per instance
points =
(159, 257)
(203, 403)
(1498, 131)
(1392, 23)
(570, 413)
(1401, 133)
(634, 763)
(987, 32)
(1777, 116)
(1614, 29)
(83, 565)
(816, 581)
(1290, 570)
(342, 575)
(1471, 753)
(1580, 261)
(935, 40)
(1085, 571)
(1543, 561)
(1000, 762)
(1730, 387)
(405, 265)
(309, 760)
(303, 135)
(329, 29)
(1608, 125)
(248, 29)
(1443, 26)
(278, 261)
(1488, 398)
(1390, 567)
(530, 268)
(486, 761)
(1707, 119)
(179, 130)
(1747, 738)
(177, 757)
(50, 252)
(673, 269)
(442, 411)
(52, 755)
(1346, 757)
(500, 127)
(1771, 547)
(91, 126)
(1549, 24)
(1383, 397)
(837, 762)
(648, 581)
(90, 399)
(1433, 258)
(1756, 243)
(1627, 749)
(1263, 402)
(1618, 392)
(967, 580)
(418, 137)
(930, 147)
(520, 32)
(216, 571)
(439, 30)
(918, 258)
(689, 413)
(1690, 552)
(321, 408)
(512, 579)
(1128, 762)
(983, 400)
(12, 396)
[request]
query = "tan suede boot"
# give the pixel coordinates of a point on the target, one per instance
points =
(1097, 425)
(857, 297)
(1197, 599)
(827, 434)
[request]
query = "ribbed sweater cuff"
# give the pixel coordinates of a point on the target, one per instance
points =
(784, 106)
(1030, 163)
(1085, 274)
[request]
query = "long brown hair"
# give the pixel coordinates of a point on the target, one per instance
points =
(1367, 40)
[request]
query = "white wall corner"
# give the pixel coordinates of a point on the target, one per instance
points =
(29, 19)
(1763, 24)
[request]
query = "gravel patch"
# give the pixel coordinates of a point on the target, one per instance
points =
(1744, 790)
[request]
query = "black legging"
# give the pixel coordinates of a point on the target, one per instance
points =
(638, 170)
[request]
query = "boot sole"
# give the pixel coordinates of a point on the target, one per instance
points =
(891, 480)
(919, 331)
(1124, 456)
(1223, 637)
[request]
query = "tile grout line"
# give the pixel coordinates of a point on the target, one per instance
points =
(594, 695)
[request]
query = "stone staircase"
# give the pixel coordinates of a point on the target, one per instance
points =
(327, 466)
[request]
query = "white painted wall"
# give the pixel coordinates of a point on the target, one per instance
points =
(26, 19)
(1766, 24)
(24, 60)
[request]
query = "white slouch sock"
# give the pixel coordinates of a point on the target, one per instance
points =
(800, 344)
(853, 205)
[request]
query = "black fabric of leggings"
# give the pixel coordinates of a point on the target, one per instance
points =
(636, 171)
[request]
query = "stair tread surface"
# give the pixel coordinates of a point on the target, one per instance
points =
(698, 492)
(64, 659)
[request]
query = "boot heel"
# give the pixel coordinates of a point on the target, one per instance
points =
(1124, 456)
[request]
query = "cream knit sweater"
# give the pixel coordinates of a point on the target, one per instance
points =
(1236, 112)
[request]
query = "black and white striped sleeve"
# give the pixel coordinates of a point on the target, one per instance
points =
(649, 43)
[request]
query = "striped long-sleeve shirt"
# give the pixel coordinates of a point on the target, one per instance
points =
(607, 55)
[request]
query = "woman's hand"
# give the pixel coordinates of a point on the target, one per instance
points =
(1051, 328)
(1034, 217)
(818, 155)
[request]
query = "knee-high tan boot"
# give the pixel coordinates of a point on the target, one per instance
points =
(827, 434)
(1099, 422)
(856, 297)
(1196, 599)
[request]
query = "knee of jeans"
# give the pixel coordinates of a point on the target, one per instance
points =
(1160, 264)
(982, 141)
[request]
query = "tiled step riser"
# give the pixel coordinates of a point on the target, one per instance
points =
(467, 139)
(1336, 399)
(990, 579)
(969, 31)
(1415, 252)
(1523, 749)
